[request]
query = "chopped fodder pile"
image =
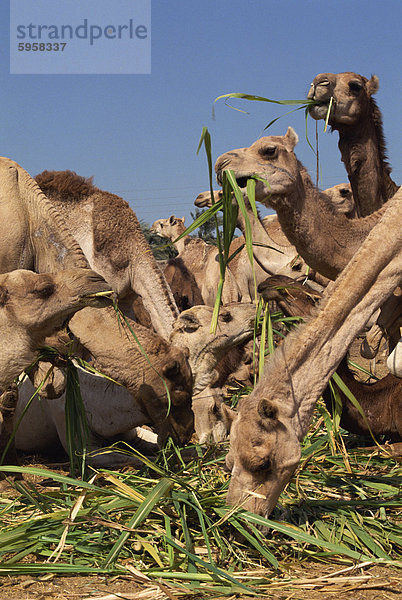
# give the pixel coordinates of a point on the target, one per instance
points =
(168, 522)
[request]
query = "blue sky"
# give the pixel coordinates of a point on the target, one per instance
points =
(138, 134)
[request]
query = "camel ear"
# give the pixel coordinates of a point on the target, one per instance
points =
(267, 410)
(172, 220)
(373, 85)
(291, 138)
(3, 295)
(228, 415)
(183, 219)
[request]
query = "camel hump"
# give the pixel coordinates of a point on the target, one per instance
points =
(67, 184)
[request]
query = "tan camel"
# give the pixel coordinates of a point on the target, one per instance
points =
(207, 350)
(201, 259)
(110, 236)
(325, 239)
(181, 281)
(381, 401)
(33, 235)
(271, 423)
(32, 306)
(357, 118)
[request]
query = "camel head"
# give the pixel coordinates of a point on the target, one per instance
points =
(169, 228)
(270, 158)
(212, 417)
(41, 302)
(342, 200)
(203, 200)
(263, 454)
(33, 305)
(351, 94)
(170, 416)
(206, 349)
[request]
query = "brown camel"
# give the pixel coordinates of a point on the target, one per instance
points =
(201, 260)
(33, 235)
(265, 436)
(381, 401)
(357, 118)
(110, 236)
(32, 306)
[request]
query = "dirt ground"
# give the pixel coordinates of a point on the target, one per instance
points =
(371, 583)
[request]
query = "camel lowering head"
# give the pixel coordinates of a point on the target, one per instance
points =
(212, 417)
(263, 455)
(192, 330)
(270, 158)
(351, 94)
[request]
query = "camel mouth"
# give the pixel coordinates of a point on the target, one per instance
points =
(100, 299)
(242, 181)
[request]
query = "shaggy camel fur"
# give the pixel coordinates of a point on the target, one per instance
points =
(325, 239)
(355, 115)
(200, 259)
(271, 423)
(110, 235)
(32, 306)
(381, 401)
(33, 235)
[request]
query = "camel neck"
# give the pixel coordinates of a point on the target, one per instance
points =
(368, 171)
(322, 237)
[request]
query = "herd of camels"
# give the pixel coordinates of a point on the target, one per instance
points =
(68, 249)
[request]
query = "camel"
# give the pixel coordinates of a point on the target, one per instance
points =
(32, 306)
(324, 238)
(34, 236)
(357, 118)
(201, 259)
(274, 253)
(381, 401)
(108, 231)
(207, 350)
(271, 423)
(181, 281)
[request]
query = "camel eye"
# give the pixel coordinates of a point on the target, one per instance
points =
(355, 86)
(44, 290)
(268, 151)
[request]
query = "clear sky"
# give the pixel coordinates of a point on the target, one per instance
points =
(138, 134)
